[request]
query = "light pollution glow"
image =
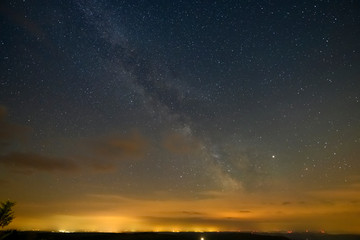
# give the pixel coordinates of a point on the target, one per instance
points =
(324, 211)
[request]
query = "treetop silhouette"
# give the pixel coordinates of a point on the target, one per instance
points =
(6, 213)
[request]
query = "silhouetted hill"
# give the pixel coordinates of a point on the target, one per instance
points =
(139, 236)
(318, 236)
(33, 235)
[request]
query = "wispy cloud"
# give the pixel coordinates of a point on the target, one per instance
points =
(10, 132)
(180, 144)
(28, 162)
(133, 145)
(21, 19)
(200, 221)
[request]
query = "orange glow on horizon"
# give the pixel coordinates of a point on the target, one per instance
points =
(202, 215)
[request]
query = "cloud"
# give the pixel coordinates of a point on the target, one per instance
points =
(10, 132)
(180, 144)
(244, 211)
(191, 213)
(3, 112)
(183, 213)
(20, 19)
(133, 145)
(102, 167)
(191, 221)
(28, 162)
(24, 162)
(3, 182)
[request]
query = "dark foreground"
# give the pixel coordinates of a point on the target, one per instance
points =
(16, 235)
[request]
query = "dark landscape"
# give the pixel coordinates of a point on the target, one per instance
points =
(35, 235)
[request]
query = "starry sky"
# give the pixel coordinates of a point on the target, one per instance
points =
(181, 115)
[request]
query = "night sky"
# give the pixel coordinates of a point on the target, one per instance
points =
(181, 115)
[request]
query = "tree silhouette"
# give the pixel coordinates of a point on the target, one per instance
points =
(6, 213)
